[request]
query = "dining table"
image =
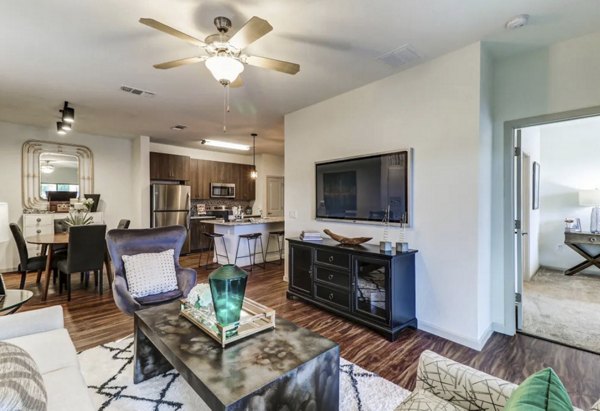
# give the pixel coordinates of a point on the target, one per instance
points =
(49, 242)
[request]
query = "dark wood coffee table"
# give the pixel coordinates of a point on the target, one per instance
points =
(289, 367)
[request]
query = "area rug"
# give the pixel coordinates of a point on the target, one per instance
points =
(108, 371)
(563, 308)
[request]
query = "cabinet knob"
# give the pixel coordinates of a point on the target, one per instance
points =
(330, 277)
(38, 231)
(310, 272)
(38, 220)
(331, 296)
(331, 259)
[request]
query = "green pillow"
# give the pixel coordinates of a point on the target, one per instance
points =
(540, 391)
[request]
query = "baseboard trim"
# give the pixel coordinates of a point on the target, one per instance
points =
(476, 344)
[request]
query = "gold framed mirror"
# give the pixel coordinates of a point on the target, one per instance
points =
(50, 166)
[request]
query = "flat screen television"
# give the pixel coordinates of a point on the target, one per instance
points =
(368, 188)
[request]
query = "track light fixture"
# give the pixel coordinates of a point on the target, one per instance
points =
(68, 113)
(67, 119)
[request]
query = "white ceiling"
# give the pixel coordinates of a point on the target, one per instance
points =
(84, 50)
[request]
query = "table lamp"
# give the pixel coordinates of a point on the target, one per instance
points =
(592, 198)
(4, 236)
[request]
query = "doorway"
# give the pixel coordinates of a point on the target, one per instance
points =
(554, 161)
(275, 196)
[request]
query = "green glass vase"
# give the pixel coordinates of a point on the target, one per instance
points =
(228, 286)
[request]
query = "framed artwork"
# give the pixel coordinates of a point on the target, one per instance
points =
(535, 198)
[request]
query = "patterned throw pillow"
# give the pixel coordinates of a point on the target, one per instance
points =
(21, 384)
(421, 400)
(150, 273)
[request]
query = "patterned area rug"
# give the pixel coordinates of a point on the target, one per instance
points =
(108, 371)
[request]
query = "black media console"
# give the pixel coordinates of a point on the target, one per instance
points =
(371, 287)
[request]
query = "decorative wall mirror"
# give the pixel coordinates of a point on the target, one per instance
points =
(48, 166)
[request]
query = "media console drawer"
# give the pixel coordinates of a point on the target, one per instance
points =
(341, 260)
(331, 295)
(327, 275)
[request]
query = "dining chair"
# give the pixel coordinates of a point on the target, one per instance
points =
(85, 253)
(26, 263)
(123, 224)
(150, 240)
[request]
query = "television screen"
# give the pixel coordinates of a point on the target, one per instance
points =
(364, 189)
(61, 195)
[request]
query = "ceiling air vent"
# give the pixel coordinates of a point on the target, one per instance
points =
(401, 56)
(179, 127)
(137, 91)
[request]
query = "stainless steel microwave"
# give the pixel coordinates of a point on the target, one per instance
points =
(222, 190)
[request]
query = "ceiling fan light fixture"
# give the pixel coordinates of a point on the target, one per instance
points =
(226, 144)
(224, 69)
(47, 168)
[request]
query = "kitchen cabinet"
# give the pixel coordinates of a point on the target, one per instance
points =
(169, 167)
(199, 242)
(363, 284)
(204, 172)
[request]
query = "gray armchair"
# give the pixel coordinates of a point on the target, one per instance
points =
(151, 240)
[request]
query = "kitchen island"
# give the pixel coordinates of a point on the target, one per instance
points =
(231, 231)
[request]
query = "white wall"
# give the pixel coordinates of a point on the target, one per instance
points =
(141, 182)
(569, 164)
(530, 144)
(112, 175)
(558, 78)
(434, 108)
(267, 165)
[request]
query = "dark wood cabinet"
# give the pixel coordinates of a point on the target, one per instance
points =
(199, 242)
(169, 167)
(361, 283)
(204, 172)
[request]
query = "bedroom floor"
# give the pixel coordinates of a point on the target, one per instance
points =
(563, 309)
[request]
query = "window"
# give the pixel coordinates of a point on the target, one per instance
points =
(45, 187)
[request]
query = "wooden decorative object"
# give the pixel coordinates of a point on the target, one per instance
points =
(346, 240)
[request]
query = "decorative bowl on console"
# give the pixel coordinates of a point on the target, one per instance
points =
(347, 240)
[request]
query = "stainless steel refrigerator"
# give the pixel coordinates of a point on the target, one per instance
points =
(170, 205)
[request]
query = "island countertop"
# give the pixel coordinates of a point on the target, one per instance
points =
(251, 221)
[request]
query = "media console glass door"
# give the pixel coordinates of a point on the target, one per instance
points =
(371, 288)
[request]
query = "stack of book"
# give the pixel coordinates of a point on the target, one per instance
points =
(310, 236)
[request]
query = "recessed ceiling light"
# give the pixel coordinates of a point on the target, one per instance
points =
(179, 127)
(226, 144)
(517, 22)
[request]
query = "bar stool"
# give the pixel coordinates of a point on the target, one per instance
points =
(251, 256)
(279, 237)
(213, 246)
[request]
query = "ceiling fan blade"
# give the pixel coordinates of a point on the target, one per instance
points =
(254, 29)
(180, 62)
(272, 64)
(238, 82)
(173, 32)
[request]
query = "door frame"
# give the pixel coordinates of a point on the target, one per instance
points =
(512, 202)
(282, 178)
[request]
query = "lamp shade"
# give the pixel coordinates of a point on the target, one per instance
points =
(4, 236)
(223, 68)
(589, 198)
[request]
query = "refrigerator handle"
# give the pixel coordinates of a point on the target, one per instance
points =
(189, 211)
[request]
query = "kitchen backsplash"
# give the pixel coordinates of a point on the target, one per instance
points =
(217, 202)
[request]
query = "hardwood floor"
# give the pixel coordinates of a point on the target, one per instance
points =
(92, 319)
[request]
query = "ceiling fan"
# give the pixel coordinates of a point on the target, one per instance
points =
(224, 53)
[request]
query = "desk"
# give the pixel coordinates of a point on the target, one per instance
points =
(48, 242)
(13, 300)
(587, 245)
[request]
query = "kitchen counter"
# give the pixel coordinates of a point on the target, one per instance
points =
(252, 221)
(203, 217)
(231, 231)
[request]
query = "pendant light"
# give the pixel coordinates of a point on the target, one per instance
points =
(253, 173)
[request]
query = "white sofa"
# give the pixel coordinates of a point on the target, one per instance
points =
(42, 334)
(446, 385)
